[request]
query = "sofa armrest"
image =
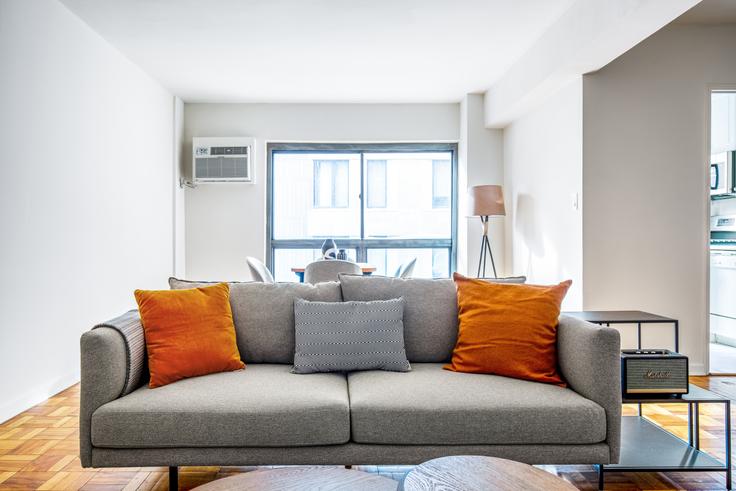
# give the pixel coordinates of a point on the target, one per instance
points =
(103, 375)
(113, 365)
(589, 358)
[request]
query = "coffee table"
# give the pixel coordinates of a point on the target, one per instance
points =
(302, 479)
(476, 473)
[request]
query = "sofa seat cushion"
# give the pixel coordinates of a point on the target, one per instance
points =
(261, 406)
(432, 406)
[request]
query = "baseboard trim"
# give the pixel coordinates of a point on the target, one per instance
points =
(697, 369)
(37, 395)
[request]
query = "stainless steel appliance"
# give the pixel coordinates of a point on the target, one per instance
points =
(722, 174)
(723, 279)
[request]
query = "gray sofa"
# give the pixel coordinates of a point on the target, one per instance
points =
(267, 415)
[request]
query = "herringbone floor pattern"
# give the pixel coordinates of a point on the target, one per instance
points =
(39, 450)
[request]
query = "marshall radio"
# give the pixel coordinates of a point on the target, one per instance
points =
(652, 372)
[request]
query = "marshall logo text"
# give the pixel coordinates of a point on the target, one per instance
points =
(657, 375)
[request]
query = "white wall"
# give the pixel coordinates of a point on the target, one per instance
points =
(227, 222)
(645, 230)
(85, 194)
(542, 175)
(480, 162)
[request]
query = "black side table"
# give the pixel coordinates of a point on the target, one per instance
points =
(647, 447)
(608, 317)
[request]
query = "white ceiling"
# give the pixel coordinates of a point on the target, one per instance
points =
(322, 50)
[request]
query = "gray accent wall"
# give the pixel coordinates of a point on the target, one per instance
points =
(645, 145)
(227, 222)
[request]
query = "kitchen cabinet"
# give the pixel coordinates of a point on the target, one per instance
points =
(723, 122)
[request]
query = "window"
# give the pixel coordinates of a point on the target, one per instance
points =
(379, 202)
(376, 185)
(441, 183)
(330, 183)
(431, 263)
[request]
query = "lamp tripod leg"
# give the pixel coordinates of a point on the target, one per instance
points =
(490, 252)
(481, 257)
(485, 247)
(485, 259)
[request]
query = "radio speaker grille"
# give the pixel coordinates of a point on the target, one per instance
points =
(656, 376)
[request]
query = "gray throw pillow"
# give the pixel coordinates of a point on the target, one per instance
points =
(349, 336)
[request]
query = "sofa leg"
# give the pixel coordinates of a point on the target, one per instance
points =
(348, 466)
(173, 478)
(601, 480)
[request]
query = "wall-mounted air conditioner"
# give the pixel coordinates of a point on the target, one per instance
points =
(223, 159)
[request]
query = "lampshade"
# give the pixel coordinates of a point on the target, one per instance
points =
(486, 200)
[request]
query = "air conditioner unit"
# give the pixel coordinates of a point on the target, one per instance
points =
(223, 159)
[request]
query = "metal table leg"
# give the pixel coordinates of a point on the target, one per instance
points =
(638, 346)
(697, 425)
(728, 444)
(690, 424)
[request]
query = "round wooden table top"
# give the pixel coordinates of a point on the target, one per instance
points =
(471, 473)
(302, 479)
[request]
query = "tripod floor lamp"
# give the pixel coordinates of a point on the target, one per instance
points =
(486, 201)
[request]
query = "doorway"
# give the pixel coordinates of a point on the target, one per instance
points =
(722, 252)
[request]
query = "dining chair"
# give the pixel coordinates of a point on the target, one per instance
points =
(259, 271)
(406, 269)
(328, 269)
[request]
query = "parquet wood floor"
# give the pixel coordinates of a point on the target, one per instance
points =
(39, 450)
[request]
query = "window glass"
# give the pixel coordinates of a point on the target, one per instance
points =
(382, 207)
(410, 211)
(431, 263)
(441, 183)
(376, 183)
(316, 196)
(331, 184)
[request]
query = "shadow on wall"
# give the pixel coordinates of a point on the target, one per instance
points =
(525, 223)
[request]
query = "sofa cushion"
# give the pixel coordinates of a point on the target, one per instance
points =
(430, 314)
(264, 315)
(346, 336)
(508, 330)
(432, 406)
(261, 406)
(188, 332)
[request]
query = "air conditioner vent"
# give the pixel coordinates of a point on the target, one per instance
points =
(223, 159)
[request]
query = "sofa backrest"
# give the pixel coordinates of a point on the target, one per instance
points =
(263, 314)
(430, 312)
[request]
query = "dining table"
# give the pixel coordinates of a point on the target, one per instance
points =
(366, 268)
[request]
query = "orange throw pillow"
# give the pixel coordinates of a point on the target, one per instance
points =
(508, 329)
(188, 332)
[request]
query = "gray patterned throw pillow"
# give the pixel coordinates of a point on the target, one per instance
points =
(349, 336)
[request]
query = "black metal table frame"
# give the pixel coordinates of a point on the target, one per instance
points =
(693, 435)
(675, 322)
